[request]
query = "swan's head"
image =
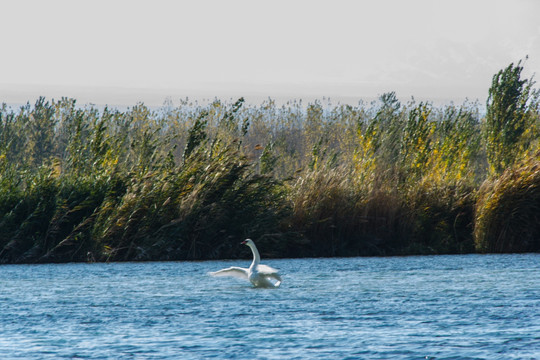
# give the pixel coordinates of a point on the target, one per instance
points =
(248, 242)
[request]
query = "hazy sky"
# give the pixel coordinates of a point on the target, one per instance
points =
(121, 52)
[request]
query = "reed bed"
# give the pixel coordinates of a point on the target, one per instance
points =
(317, 179)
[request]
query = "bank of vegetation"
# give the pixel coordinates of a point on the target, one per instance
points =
(192, 181)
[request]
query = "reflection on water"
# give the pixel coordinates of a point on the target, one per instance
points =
(469, 306)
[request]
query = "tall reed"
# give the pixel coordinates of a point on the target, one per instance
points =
(508, 210)
(318, 179)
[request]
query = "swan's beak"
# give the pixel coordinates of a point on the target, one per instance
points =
(244, 242)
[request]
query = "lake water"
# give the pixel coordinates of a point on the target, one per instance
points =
(428, 307)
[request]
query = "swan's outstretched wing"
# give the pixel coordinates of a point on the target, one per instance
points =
(266, 270)
(276, 277)
(270, 273)
(233, 271)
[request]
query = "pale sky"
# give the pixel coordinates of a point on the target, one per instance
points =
(124, 51)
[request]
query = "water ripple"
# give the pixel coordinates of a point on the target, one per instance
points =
(434, 307)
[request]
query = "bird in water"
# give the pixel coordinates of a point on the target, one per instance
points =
(262, 276)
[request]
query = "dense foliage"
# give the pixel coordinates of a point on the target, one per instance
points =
(189, 182)
(508, 215)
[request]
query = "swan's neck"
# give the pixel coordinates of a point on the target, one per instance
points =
(256, 257)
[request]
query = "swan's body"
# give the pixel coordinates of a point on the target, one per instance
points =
(259, 275)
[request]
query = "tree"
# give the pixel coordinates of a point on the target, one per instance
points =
(510, 105)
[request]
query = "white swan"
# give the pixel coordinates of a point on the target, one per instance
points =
(259, 275)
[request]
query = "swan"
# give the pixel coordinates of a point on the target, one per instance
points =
(259, 275)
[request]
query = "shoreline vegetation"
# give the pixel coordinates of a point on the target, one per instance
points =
(302, 180)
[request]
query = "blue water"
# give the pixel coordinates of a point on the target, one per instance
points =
(429, 307)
